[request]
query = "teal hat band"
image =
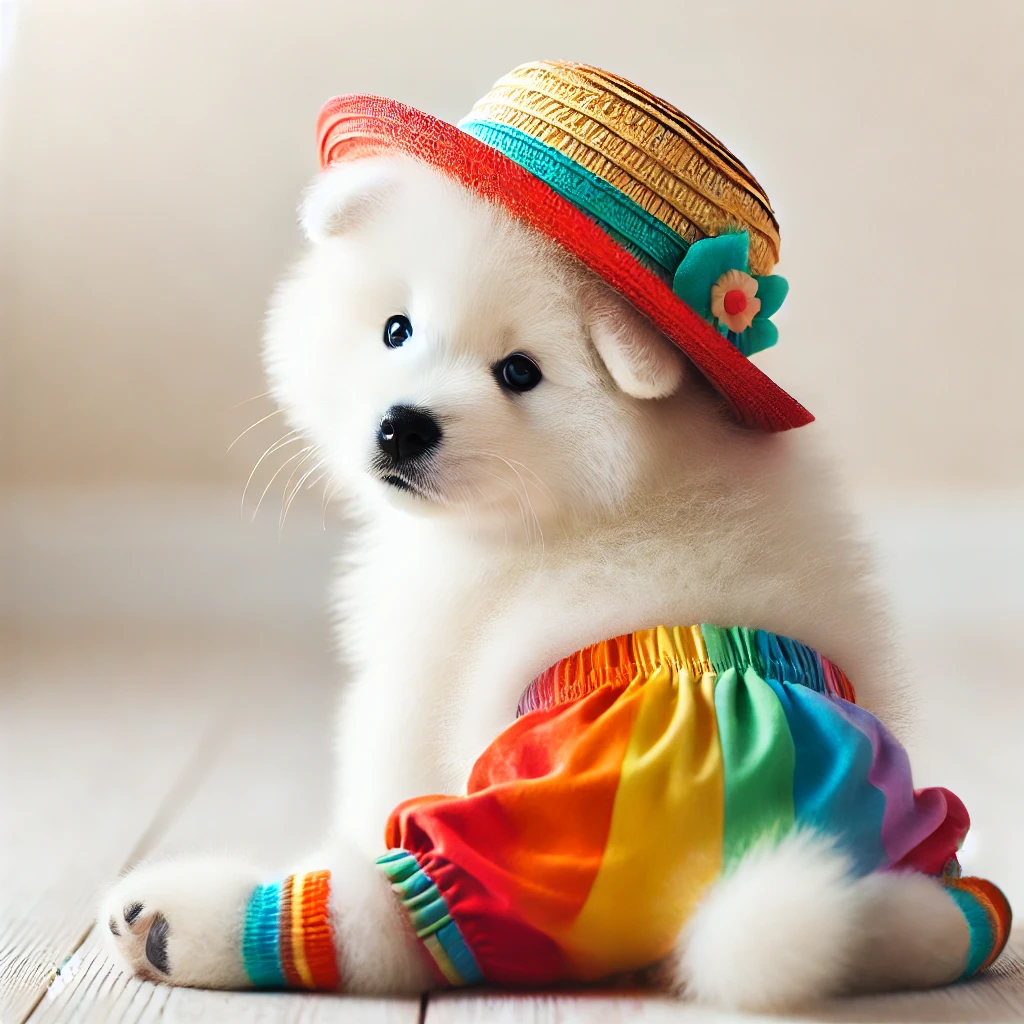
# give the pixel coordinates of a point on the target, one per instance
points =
(649, 240)
(652, 242)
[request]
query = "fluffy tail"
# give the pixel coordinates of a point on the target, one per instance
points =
(791, 925)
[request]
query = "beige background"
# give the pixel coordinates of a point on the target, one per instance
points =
(153, 154)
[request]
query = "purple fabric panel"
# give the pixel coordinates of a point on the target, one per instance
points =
(909, 817)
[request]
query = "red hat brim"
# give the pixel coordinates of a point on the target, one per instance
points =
(356, 125)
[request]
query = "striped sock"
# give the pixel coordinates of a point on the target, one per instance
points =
(988, 917)
(288, 940)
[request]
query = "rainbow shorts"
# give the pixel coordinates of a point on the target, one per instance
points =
(637, 771)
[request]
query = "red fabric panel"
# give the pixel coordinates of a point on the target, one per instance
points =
(932, 853)
(516, 857)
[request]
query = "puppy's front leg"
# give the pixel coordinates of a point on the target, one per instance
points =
(220, 924)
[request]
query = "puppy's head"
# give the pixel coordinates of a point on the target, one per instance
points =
(450, 360)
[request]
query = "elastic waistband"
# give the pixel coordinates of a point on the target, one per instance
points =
(696, 649)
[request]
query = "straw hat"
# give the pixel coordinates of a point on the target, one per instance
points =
(647, 199)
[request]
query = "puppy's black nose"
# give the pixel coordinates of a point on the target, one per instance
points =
(406, 433)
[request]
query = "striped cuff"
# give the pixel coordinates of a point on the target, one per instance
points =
(988, 917)
(451, 958)
(288, 940)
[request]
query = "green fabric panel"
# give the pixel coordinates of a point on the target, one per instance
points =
(731, 647)
(717, 646)
(759, 759)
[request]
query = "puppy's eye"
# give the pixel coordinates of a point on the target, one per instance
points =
(518, 373)
(397, 331)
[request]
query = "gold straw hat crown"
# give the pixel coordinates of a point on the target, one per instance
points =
(668, 165)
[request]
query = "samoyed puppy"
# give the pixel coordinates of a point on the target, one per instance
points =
(530, 467)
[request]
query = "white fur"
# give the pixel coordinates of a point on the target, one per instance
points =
(382, 956)
(205, 919)
(791, 926)
(548, 520)
(774, 934)
(908, 934)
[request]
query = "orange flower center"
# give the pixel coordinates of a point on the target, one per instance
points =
(735, 301)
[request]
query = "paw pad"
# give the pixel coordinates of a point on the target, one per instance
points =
(142, 937)
(156, 944)
(180, 923)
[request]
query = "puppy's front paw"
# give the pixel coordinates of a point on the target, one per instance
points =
(181, 922)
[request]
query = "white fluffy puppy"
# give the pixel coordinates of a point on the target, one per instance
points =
(531, 467)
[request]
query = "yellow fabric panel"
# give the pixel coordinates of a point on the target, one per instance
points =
(665, 841)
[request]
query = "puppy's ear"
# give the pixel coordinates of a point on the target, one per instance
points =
(345, 197)
(641, 360)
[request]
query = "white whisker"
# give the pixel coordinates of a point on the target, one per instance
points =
(246, 401)
(515, 494)
(289, 438)
(328, 497)
(529, 501)
(295, 491)
(311, 453)
(314, 482)
(275, 476)
(511, 463)
(276, 412)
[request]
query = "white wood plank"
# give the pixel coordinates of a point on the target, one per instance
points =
(263, 792)
(998, 997)
(80, 724)
(91, 990)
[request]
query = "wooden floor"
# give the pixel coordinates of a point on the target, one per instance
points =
(116, 745)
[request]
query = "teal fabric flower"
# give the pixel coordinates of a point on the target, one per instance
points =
(714, 280)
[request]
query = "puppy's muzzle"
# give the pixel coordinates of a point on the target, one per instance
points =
(406, 435)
